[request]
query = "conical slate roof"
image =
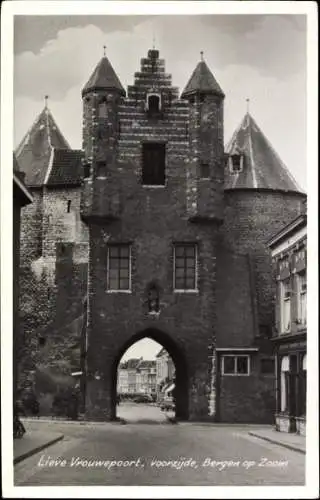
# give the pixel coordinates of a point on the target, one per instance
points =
(104, 77)
(262, 167)
(34, 151)
(202, 80)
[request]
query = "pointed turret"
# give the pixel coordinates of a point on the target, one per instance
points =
(202, 81)
(34, 151)
(104, 77)
(253, 163)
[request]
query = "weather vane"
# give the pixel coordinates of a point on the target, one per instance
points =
(248, 104)
(201, 54)
(104, 50)
(46, 97)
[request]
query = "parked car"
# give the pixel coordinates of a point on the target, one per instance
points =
(167, 404)
(143, 398)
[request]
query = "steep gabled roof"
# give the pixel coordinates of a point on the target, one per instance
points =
(104, 77)
(202, 80)
(66, 168)
(262, 167)
(35, 149)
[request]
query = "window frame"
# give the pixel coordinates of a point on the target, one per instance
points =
(302, 280)
(196, 285)
(145, 144)
(154, 94)
(236, 373)
(283, 301)
(205, 165)
(119, 290)
(231, 164)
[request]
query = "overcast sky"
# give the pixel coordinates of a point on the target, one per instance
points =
(259, 57)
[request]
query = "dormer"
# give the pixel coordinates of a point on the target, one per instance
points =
(236, 162)
(153, 104)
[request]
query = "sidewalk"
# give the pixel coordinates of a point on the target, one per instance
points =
(32, 442)
(291, 441)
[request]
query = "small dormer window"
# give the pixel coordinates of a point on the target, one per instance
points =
(204, 170)
(101, 169)
(102, 109)
(153, 104)
(86, 170)
(236, 163)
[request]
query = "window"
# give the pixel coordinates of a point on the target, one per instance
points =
(284, 383)
(204, 170)
(185, 260)
(267, 366)
(153, 164)
(119, 267)
(86, 170)
(153, 104)
(285, 306)
(235, 365)
(102, 109)
(236, 163)
(101, 169)
(68, 206)
(302, 298)
(303, 386)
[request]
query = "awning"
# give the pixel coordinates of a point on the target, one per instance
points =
(170, 388)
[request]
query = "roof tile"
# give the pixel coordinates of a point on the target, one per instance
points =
(202, 80)
(66, 167)
(104, 77)
(34, 151)
(262, 167)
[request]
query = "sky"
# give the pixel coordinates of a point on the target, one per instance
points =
(145, 348)
(260, 57)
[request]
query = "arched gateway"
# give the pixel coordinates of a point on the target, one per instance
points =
(181, 370)
(177, 240)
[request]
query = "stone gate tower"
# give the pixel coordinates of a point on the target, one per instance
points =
(153, 203)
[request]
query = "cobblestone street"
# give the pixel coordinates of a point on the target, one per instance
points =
(110, 454)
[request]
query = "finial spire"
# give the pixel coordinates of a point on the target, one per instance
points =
(104, 50)
(201, 55)
(153, 41)
(46, 97)
(248, 104)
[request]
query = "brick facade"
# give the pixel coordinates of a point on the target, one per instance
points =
(232, 306)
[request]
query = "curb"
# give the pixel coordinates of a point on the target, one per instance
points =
(37, 449)
(280, 443)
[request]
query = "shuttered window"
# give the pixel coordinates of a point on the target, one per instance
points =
(153, 164)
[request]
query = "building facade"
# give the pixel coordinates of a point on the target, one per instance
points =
(289, 255)
(165, 371)
(137, 376)
(167, 239)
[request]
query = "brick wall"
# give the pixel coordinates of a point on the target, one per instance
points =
(251, 218)
(53, 283)
(246, 399)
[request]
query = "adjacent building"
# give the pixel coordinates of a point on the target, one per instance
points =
(159, 230)
(289, 256)
(21, 198)
(165, 372)
(137, 376)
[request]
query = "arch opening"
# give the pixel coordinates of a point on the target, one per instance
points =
(150, 382)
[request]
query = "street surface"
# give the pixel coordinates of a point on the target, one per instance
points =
(146, 452)
(142, 413)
